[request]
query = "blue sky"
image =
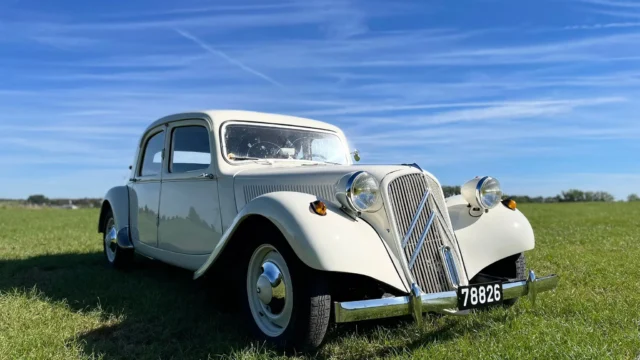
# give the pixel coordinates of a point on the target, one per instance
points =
(540, 94)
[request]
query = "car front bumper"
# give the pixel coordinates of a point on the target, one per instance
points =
(417, 303)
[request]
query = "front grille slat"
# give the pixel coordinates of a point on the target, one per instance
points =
(421, 241)
(422, 245)
(415, 219)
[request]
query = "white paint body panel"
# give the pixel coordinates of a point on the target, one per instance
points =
(490, 237)
(334, 242)
(185, 261)
(117, 198)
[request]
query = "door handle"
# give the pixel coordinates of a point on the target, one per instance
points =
(206, 176)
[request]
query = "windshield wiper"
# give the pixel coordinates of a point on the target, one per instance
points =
(252, 159)
(317, 162)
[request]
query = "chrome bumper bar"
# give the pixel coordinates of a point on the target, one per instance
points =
(417, 303)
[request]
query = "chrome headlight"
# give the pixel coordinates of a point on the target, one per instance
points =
(359, 191)
(484, 192)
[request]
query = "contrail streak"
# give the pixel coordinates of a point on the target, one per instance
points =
(227, 57)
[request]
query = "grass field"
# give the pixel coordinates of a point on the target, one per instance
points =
(58, 300)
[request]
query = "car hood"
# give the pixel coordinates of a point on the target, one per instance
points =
(313, 179)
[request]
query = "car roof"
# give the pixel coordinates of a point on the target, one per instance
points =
(217, 117)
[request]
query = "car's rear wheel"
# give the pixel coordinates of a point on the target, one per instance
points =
(287, 303)
(116, 256)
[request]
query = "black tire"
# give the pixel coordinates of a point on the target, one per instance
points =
(122, 258)
(521, 274)
(311, 300)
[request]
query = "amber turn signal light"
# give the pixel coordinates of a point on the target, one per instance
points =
(510, 203)
(319, 208)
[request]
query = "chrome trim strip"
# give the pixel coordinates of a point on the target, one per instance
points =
(423, 236)
(416, 303)
(450, 266)
(408, 305)
(533, 291)
(124, 241)
(414, 221)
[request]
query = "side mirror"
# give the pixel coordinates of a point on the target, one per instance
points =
(356, 155)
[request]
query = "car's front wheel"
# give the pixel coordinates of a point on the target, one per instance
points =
(288, 303)
(115, 256)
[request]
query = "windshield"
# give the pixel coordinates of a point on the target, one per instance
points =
(250, 142)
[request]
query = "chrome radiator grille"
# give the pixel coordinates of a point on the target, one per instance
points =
(415, 204)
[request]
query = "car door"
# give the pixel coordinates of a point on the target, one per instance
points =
(190, 221)
(145, 188)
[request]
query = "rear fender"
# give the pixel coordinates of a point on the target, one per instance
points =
(334, 242)
(492, 236)
(117, 199)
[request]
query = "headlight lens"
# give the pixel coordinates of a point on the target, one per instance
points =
(489, 192)
(359, 191)
(482, 192)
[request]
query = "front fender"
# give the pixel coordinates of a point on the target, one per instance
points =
(334, 242)
(494, 235)
(117, 198)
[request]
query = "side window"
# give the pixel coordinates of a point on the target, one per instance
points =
(190, 149)
(152, 156)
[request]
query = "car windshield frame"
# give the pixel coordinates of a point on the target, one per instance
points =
(223, 143)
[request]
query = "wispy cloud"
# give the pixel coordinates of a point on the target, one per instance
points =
(615, 8)
(315, 12)
(204, 9)
(620, 14)
(52, 146)
(341, 18)
(614, 3)
(227, 58)
(445, 49)
(71, 129)
(65, 42)
(489, 109)
(603, 26)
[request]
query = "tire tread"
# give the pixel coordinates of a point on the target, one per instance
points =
(319, 316)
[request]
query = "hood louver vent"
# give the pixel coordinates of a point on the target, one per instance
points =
(322, 191)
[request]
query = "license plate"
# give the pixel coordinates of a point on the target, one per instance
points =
(479, 295)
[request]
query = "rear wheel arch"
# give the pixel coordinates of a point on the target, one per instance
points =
(104, 210)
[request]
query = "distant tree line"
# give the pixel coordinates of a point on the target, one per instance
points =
(42, 200)
(571, 195)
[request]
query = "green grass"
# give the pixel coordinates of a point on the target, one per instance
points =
(58, 300)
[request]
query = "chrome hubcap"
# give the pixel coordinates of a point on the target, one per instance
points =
(269, 290)
(111, 240)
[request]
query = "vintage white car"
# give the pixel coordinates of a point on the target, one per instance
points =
(272, 206)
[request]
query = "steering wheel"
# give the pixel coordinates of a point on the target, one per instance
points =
(262, 148)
